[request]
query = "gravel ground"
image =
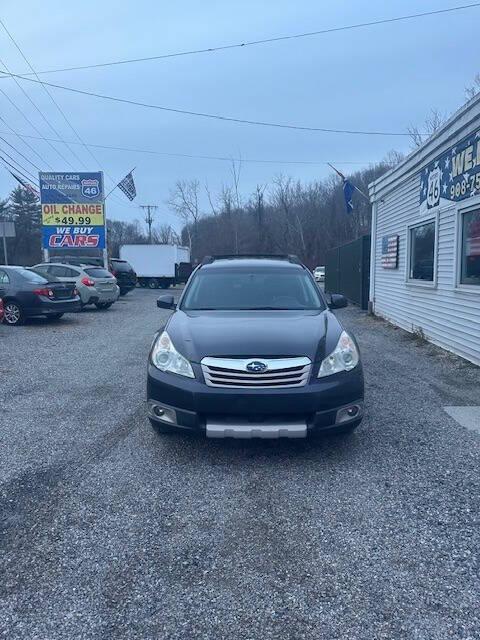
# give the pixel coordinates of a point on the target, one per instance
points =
(111, 531)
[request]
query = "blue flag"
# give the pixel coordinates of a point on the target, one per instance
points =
(348, 190)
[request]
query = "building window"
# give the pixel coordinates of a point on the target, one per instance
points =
(422, 252)
(470, 256)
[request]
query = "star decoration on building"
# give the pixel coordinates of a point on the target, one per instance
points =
(447, 162)
(444, 187)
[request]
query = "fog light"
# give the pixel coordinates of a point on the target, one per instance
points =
(349, 413)
(161, 413)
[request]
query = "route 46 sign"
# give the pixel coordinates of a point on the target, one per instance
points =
(433, 188)
(90, 188)
(452, 176)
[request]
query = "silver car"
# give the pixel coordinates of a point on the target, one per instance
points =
(95, 285)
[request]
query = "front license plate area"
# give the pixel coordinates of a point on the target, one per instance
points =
(243, 428)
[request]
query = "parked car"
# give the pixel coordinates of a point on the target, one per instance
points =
(27, 293)
(319, 274)
(124, 273)
(95, 285)
(254, 350)
(1, 310)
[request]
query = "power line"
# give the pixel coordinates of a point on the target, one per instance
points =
(211, 116)
(252, 43)
(79, 138)
(40, 112)
(20, 153)
(28, 179)
(25, 142)
(59, 108)
(204, 157)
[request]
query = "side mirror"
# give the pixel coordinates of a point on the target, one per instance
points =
(337, 301)
(166, 302)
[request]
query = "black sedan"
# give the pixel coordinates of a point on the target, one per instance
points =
(27, 293)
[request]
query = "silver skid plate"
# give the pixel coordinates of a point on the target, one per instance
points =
(241, 428)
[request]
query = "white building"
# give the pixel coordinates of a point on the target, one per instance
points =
(425, 266)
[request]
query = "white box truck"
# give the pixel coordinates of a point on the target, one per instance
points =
(158, 265)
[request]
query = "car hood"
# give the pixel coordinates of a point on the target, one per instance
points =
(245, 334)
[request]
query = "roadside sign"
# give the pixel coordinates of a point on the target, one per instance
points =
(73, 210)
(7, 229)
(73, 237)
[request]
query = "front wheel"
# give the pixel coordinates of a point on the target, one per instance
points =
(13, 314)
(153, 283)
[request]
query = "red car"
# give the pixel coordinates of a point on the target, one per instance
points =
(1, 310)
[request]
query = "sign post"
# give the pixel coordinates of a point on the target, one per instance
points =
(73, 211)
(7, 230)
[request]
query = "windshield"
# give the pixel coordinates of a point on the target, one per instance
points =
(32, 276)
(97, 272)
(238, 289)
(124, 267)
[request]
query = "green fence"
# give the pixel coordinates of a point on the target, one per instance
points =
(347, 271)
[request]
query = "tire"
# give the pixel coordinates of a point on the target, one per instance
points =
(55, 316)
(153, 283)
(13, 313)
(103, 305)
(162, 428)
(164, 284)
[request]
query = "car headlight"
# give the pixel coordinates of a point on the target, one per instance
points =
(166, 358)
(344, 357)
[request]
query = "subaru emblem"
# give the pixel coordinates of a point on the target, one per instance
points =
(256, 366)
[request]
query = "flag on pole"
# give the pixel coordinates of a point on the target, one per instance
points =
(127, 185)
(348, 190)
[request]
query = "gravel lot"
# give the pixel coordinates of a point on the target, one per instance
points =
(110, 531)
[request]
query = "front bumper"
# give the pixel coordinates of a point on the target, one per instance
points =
(195, 404)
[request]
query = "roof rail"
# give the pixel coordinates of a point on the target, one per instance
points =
(272, 256)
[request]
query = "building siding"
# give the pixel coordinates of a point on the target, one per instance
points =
(448, 316)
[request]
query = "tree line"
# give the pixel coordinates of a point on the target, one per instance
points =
(285, 216)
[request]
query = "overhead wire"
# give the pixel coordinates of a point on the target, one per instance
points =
(207, 157)
(41, 114)
(211, 115)
(25, 142)
(59, 108)
(20, 153)
(27, 175)
(263, 41)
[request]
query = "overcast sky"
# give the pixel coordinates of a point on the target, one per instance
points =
(375, 78)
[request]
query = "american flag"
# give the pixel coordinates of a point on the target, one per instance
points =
(127, 185)
(390, 252)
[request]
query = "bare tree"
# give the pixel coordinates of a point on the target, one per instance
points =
(165, 234)
(210, 200)
(184, 202)
(474, 88)
(236, 169)
(432, 123)
(285, 194)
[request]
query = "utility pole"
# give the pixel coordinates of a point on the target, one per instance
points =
(148, 217)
